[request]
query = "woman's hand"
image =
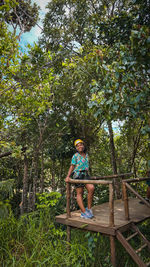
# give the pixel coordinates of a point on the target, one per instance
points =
(67, 179)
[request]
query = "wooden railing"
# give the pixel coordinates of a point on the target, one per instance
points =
(98, 180)
(125, 186)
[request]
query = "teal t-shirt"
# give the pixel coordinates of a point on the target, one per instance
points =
(81, 163)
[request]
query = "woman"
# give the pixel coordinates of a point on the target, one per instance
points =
(79, 169)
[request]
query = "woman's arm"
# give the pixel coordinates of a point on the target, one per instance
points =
(69, 172)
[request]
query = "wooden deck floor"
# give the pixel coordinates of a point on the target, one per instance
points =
(100, 223)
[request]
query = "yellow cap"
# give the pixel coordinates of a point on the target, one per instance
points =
(78, 141)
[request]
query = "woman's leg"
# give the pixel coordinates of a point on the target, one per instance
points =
(79, 191)
(90, 189)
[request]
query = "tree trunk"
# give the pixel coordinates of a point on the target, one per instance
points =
(113, 159)
(53, 175)
(30, 199)
(24, 204)
(42, 174)
(60, 183)
(35, 178)
(135, 148)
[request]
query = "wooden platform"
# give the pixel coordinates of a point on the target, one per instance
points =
(100, 223)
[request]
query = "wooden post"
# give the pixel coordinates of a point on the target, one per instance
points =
(111, 223)
(125, 198)
(111, 205)
(68, 201)
(68, 215)
(113, 251)
(68, 235)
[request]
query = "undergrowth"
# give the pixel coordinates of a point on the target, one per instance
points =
(35, 239)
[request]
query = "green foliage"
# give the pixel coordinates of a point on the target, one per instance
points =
(123, 257)
(22, 14)
(47, 200)
(90, 66)
(6, 192)
(8, 231)
(87, 22)
(35, 239)
(6, 189)
(8, 65)
(4, 209)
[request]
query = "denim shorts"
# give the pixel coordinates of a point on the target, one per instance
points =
(83, 175)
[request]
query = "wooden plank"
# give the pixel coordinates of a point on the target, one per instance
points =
(87, 224)
(94, 227)
(138, 213)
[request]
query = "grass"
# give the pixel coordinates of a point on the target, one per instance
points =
(34, 239)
